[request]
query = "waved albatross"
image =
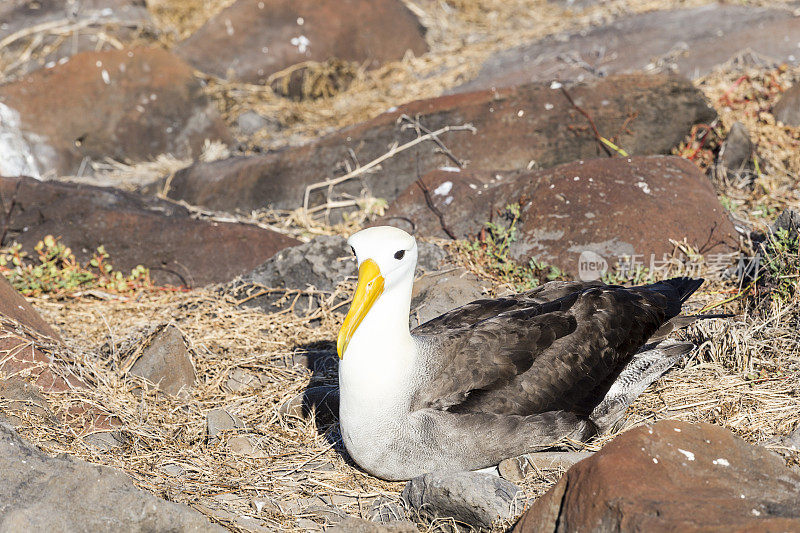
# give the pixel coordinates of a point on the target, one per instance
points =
(496, 378)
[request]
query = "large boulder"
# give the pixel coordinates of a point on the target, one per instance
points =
(120, 104)
(611, 208)
(42, 493)
(686, 41)
(136, 230)
(51, 31)
(671, 476)
(527, 125)
(249, 41)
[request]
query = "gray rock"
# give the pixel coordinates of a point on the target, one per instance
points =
(250, 122)
(470, 498)
(119, 19)
(263, 504)
(737, 150)
(105, 441)
(240, 380)
(173, 470)
(359, 525)
(41, 493)
(166, 361)
(19, 400)
(690, 42)
(517, 468)
(788, 220)
(787, 110)
(438, 292)
(219, 421)
(244, 446)
(320, 265)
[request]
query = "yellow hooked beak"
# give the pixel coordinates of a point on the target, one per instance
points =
(370, 286)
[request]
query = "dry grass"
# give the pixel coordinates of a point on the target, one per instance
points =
(178, 19)
(746, 93)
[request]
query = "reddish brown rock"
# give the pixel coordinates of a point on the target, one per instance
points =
(121, 104)
(531, 124)
(158, 234)
(686, 41)
(13, 305)
(65, 28)
(612, 207)
(787, 110)
(672, 476)
(28, 339)
(29, 350)
(250, 40)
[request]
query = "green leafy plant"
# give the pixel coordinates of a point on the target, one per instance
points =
(54, 270)
(491, 254)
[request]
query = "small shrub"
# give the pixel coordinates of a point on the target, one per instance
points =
(55, 271)
(491, 254)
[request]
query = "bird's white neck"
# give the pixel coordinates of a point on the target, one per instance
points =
(381, 351)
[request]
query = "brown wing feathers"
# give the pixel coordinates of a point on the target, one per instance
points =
(530, 355)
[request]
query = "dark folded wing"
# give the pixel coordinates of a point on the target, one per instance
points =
(480, 310)
(534, 356)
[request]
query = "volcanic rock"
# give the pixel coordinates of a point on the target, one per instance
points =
(218, 421)
(473, 499)
(249, 41)
(66, 27)
(438, 292)
(516, 468)
(32, 349)
(165, 361)
(31, 341)
(316, 267)
(359, 525)
(20, 400)
(528, 126)
(787, 110)
(120, 104)
(686, 41)
(136, 230)
(737, 149)
(600, 209)
(671, 476)
(42, 493)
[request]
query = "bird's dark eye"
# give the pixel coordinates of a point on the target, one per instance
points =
(399, 254)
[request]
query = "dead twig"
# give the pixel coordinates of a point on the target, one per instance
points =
(601, 141)
(393, 151)
(420, 129)
(428, 200)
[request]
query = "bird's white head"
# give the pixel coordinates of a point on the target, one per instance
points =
(386, 258)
